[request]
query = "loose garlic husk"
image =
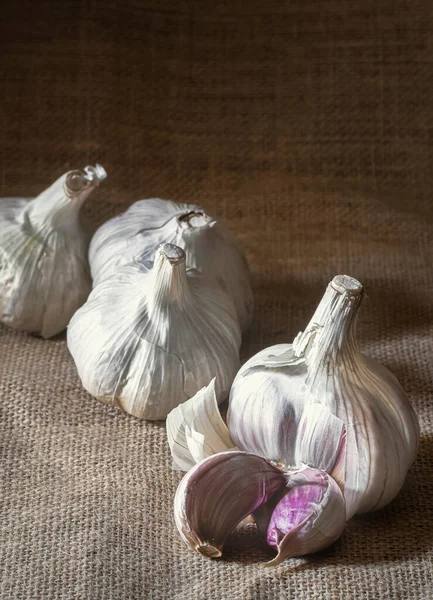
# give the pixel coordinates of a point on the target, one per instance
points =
(284, 398)
(44, 273)
(209, 246)
(196, 430)
(146, 341)
(299, 511)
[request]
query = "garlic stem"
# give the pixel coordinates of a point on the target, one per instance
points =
(170, 283)
(329, 339)
(59, 205)
(194, 220)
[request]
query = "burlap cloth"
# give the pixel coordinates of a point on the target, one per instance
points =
(307, 127)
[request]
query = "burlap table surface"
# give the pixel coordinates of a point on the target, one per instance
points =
(306, 127)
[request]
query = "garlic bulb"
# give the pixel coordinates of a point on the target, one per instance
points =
(44, 273)
(146, 341)
(300, 511)
(289, 402)
(209, 246)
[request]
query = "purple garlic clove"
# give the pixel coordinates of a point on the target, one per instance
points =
(298, 512)
(218, 493)
(309, 516)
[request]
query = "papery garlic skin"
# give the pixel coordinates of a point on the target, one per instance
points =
(220, 491)
(146, 341)
(275, 388)
(196, 430)
(44, 273)
(308, 517)
(297, 511)
(209, 246)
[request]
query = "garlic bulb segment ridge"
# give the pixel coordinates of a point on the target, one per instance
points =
(196, 430)
(298, 512)
(44, 273)
(209, 246)
(146, 341)
(291, 401)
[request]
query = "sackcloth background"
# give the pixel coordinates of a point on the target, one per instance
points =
(307, 127)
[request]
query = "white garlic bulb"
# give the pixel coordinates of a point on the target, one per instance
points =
(321, 402)
(146, 341)
(209, 246)
(44, 273)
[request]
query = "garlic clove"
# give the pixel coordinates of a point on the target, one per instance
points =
(298, 512)
(195, 429)
(218, 493)
(309, 516)
(44, 274)
(319, 438)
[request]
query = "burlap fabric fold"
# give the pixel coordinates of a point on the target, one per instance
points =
(307, 127)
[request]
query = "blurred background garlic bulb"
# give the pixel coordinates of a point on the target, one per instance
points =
(321, 402)
(44, 272)
(146, 341)
(208, 244)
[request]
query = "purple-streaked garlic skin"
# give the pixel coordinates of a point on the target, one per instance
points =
(297, 512)
(309, 517)
(218, 493)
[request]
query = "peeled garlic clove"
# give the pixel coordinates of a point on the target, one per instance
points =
(44, 274)
(209, 246)
(195, 429)
(146, 341)
(309, 516)
(279, 388)
(216, 494)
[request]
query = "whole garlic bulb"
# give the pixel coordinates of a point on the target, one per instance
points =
(286, 397)
(44, 273)
(146, 341)
(209, 246)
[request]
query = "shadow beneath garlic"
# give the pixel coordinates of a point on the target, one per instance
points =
(245, 546)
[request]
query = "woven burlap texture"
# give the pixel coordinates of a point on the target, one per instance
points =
(306, 127)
